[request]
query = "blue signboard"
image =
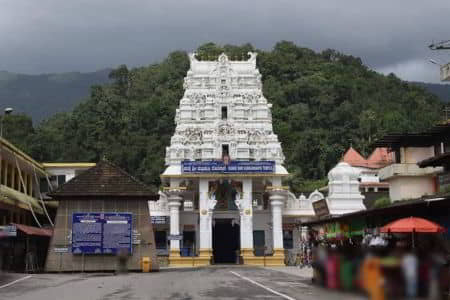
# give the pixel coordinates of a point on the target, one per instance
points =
(117, 232)
(101, 233)
(235, 166)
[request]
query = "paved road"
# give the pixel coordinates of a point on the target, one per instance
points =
(204, 283)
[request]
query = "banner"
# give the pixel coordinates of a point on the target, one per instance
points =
(235, 166)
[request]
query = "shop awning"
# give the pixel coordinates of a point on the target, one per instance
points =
(30, 230)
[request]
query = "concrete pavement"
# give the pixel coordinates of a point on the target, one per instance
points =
(215, 282)
(305, 273)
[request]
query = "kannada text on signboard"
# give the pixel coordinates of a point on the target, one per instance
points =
(101, 233)
(236, 166)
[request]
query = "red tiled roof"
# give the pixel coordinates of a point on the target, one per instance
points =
(353, 158)
(30, 230)
(379, 158)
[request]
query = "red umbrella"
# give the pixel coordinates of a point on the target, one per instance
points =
(412, 224)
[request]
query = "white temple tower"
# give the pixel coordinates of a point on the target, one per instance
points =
(224, 167)
(344, 195)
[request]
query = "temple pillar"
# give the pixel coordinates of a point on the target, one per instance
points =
(246, 219)
(277, 198)
(206, 207)
(174, 202)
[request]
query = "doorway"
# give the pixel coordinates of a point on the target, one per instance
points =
(225, 241)
(259, 242)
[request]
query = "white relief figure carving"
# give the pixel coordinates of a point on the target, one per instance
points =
(226, 129)
(161, 205)
(223, 58)
(252, 58)
(193, 57)
(212, 203)
(238, 204)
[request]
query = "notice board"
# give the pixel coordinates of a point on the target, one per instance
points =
(101, 233)
(321, 208)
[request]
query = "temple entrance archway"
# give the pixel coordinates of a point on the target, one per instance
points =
(226, 235)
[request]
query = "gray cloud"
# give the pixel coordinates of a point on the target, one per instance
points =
(86, 35)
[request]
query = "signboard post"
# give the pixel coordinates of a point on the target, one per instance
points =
(101, 233)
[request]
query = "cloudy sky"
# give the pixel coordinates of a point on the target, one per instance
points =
(86, 35)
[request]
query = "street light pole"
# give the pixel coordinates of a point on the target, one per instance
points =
(8, 111)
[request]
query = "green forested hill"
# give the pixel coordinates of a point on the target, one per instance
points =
(322, 103)
(41, 96)
(439, 89)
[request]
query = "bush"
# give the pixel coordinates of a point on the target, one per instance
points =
(382, 202)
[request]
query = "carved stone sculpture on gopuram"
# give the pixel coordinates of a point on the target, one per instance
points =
(223, 104)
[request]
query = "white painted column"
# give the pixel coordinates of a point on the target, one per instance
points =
(205, 216)
(277, 202)
(246, 215)
(174, 204)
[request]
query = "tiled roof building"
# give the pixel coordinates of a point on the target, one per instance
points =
(102, 190)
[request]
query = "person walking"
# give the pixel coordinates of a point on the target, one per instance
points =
(410, 265)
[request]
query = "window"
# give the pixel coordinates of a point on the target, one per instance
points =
(446, 146)
(224, 113)
(225, 150)
(43, 185)
(61, 179)
(397, 156)
(161, 239)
